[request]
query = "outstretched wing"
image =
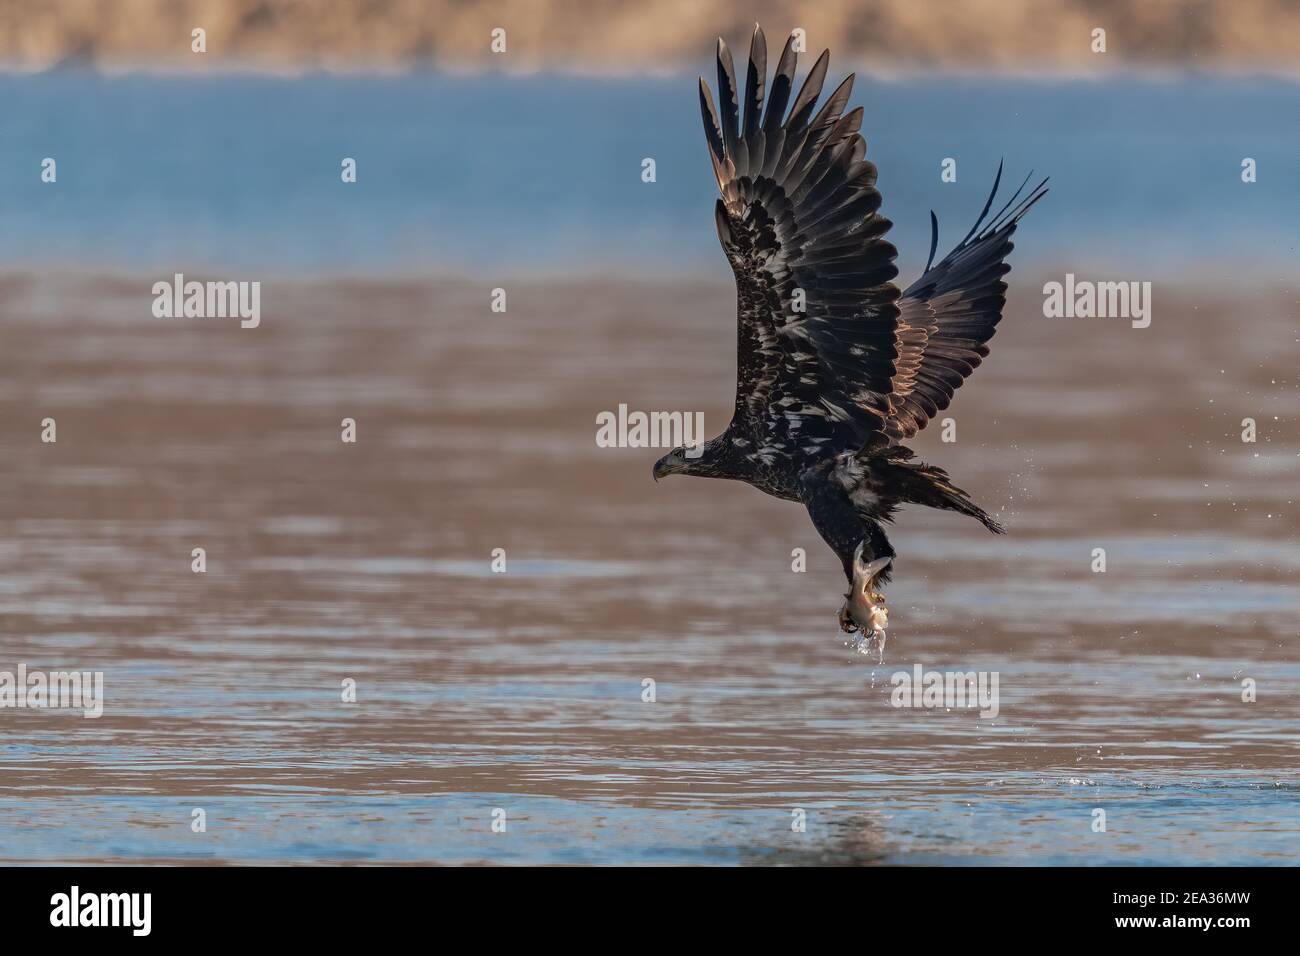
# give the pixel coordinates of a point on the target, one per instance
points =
(948, 315)
(798, 221)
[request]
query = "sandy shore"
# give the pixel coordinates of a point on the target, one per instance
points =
(652, 35)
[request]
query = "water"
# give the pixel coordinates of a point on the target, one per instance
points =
(510, 175)
(522, 691)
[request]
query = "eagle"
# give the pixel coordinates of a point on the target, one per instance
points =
(835, 367)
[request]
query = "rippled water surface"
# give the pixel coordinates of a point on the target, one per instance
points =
(523, 691)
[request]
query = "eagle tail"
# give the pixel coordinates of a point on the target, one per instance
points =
(951, 498)
(917, 483)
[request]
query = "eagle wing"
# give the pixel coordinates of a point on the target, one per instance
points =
(799, 222)
(948, 315)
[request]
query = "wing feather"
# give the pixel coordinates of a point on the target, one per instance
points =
(799, 221)
(782, 84)
(948, 315)
(728, 99)
(755, 78)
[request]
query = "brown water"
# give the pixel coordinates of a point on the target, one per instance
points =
(523, 691)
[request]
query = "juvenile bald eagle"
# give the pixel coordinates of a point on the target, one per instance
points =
(835, 367)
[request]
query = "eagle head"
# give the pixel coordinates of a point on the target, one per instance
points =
(673, 463)
(707, 460)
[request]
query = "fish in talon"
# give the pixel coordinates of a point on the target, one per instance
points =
(865, 606)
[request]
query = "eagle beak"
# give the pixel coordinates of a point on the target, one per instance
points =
(661, 468)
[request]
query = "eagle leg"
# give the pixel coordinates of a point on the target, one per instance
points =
(861, 546)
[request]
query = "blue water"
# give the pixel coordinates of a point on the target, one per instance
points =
(523, 691)
(508, 175)
(1008, 821)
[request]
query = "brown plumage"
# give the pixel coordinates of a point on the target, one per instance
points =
(834, 364)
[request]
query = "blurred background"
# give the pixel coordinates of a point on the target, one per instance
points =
(522, 170)
(634, 36)
(166, 153)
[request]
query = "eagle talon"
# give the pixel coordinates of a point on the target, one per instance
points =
(847, 624)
